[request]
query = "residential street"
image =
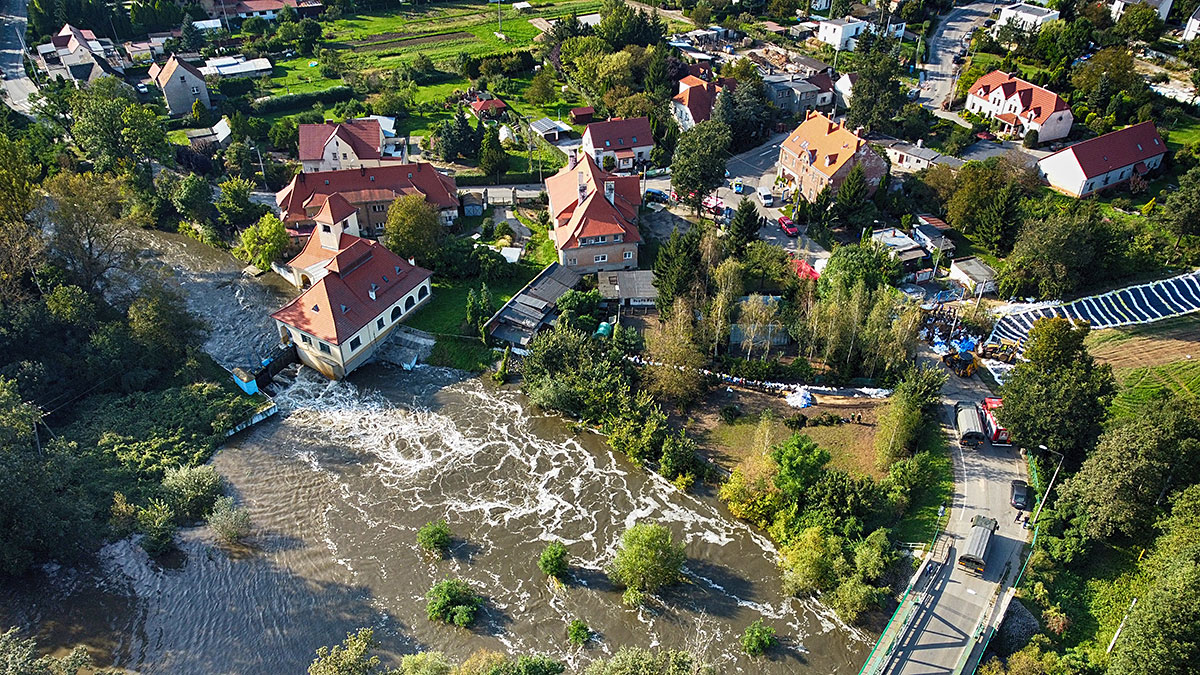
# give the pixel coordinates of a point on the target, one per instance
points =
(945, 627)
(950, 39)
(17, 87)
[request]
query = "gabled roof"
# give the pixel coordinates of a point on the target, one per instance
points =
(1037, 103)
(339, 304)
(823, 82)
(620, 133)
(362, 135)
(359, 186)
(591, 214)
(162, 75)
(1116, 150)
(335, 210)
(698, 98)
(823, 143)
(488, 105)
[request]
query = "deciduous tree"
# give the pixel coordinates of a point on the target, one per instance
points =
(413, 229)
(647, 559)
(698, 167)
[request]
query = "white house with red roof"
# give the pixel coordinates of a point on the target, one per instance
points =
(351, 144)
(1020, 106)
(1102, 162)
(371, 190)
(356, 292)
(627, 141)
(594, 213)
(694, 102)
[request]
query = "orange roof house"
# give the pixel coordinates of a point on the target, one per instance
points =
(694, 102)
(1021, 106)
(594, 214)
(351, 144)
(356, 292)
(820, 153)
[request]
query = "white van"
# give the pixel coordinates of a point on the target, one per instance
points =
(764, 193)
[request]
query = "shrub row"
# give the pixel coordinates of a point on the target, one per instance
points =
(288, 101)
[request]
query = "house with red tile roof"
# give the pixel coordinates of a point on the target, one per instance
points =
(1102, 162)
(487, 106)
(351, 144)
(820, 153)
(694, 102)
(628, 142)
(1020, 106)
(594, 214)
(370, 190)
(356, 292)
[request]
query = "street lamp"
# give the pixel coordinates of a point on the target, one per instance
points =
(1049, 487)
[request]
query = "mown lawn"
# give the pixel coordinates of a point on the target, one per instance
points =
(296, 76)
(447, 313)
(1138, 386)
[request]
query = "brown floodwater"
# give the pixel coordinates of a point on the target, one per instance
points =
(338, 484)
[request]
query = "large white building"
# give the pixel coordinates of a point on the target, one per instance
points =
(841, 32)
(1117, 7)
(1025, 16)
(1104, 161)
(1192, 28)
(1020, 106)
(357, 291)
(330, 146)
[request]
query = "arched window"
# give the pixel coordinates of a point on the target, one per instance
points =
(408, 304)
(423, 292)
(395, 313)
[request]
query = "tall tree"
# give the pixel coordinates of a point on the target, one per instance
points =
(413, 229)
(1059, 396)
(854, 263)
(88, 232)
(698, 167)
(877, 96)
(728, 282)
(263, 242)
(673, 344)
(675, 268)
(20, 247)
(493, 159)
(1181, 212)
(744, 226)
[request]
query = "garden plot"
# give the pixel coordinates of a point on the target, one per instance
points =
(1144, 303)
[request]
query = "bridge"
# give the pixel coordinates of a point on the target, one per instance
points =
(946, 615)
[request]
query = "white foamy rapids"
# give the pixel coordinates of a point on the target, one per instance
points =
(506, 488)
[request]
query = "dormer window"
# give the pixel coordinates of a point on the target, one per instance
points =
(635, 139)
(385, 279)
(607, 143)
(316, 308)
(344, 309)
(326, 228)
(327, 181)
(409, 175)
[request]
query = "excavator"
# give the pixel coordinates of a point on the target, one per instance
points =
(1004, 350)
(962, 364)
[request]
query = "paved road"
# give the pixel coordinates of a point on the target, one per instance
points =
(17, 87)
(949, 40)
(958, 601)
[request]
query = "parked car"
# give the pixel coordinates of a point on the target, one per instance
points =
(789, 228)
(1019, 494)
(764, 193)
(655, 195)
(738, 186)
(988, 23)
(141, 88)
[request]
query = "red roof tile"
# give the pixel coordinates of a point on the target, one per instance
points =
(363, 136)
(359, 186)
(1037, 103)
(620, 133)
(335, 210)
(594, 216)
(339, 304)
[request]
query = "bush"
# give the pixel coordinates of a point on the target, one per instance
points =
(304, 100)
(231, 523)
(758, 638)
(122, 516)
(578, 632)
(796, 422)
(488, 229)
(434, 537)
(553, 561)
(730, 413)
(192, 491)
(647, 559)
(452, 601)
(157, 523)
(504, 230)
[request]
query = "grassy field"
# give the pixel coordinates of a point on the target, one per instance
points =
(922, 520)
(296, 76)
(462, 353)
(1150, 358)
(447, 314)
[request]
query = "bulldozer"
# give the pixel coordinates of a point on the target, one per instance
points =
(1004, 350)
(962, 364)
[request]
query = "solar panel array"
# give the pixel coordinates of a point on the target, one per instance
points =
(1135, 304)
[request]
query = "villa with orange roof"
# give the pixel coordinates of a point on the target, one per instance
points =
(594, 214)
(820, 153)
(356, 292)
(1020, 106)
(694, 102)
(371, 190)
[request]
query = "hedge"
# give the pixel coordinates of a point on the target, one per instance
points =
(288, 101)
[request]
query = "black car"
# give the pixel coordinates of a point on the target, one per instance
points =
(1019, 494)
(989, 23)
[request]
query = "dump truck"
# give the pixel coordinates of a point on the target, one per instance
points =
(973, 558)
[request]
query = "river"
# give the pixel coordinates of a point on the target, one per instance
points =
(337, 486)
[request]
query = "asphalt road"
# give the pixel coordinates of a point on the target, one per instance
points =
(958, 601)
(949, 40)
(17, 87)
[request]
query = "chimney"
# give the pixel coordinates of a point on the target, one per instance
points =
(412, 261)
(572, 159)
(858, 131)
(582, 186)
(833, 126)
(920, 142)
(610, 191)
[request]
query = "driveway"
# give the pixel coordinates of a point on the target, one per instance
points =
(983, 149)
(957, 602)
(951, 37)
(17, 87)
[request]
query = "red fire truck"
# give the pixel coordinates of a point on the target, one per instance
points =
(997, 434)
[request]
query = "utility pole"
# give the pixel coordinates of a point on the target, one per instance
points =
(1046, 495)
